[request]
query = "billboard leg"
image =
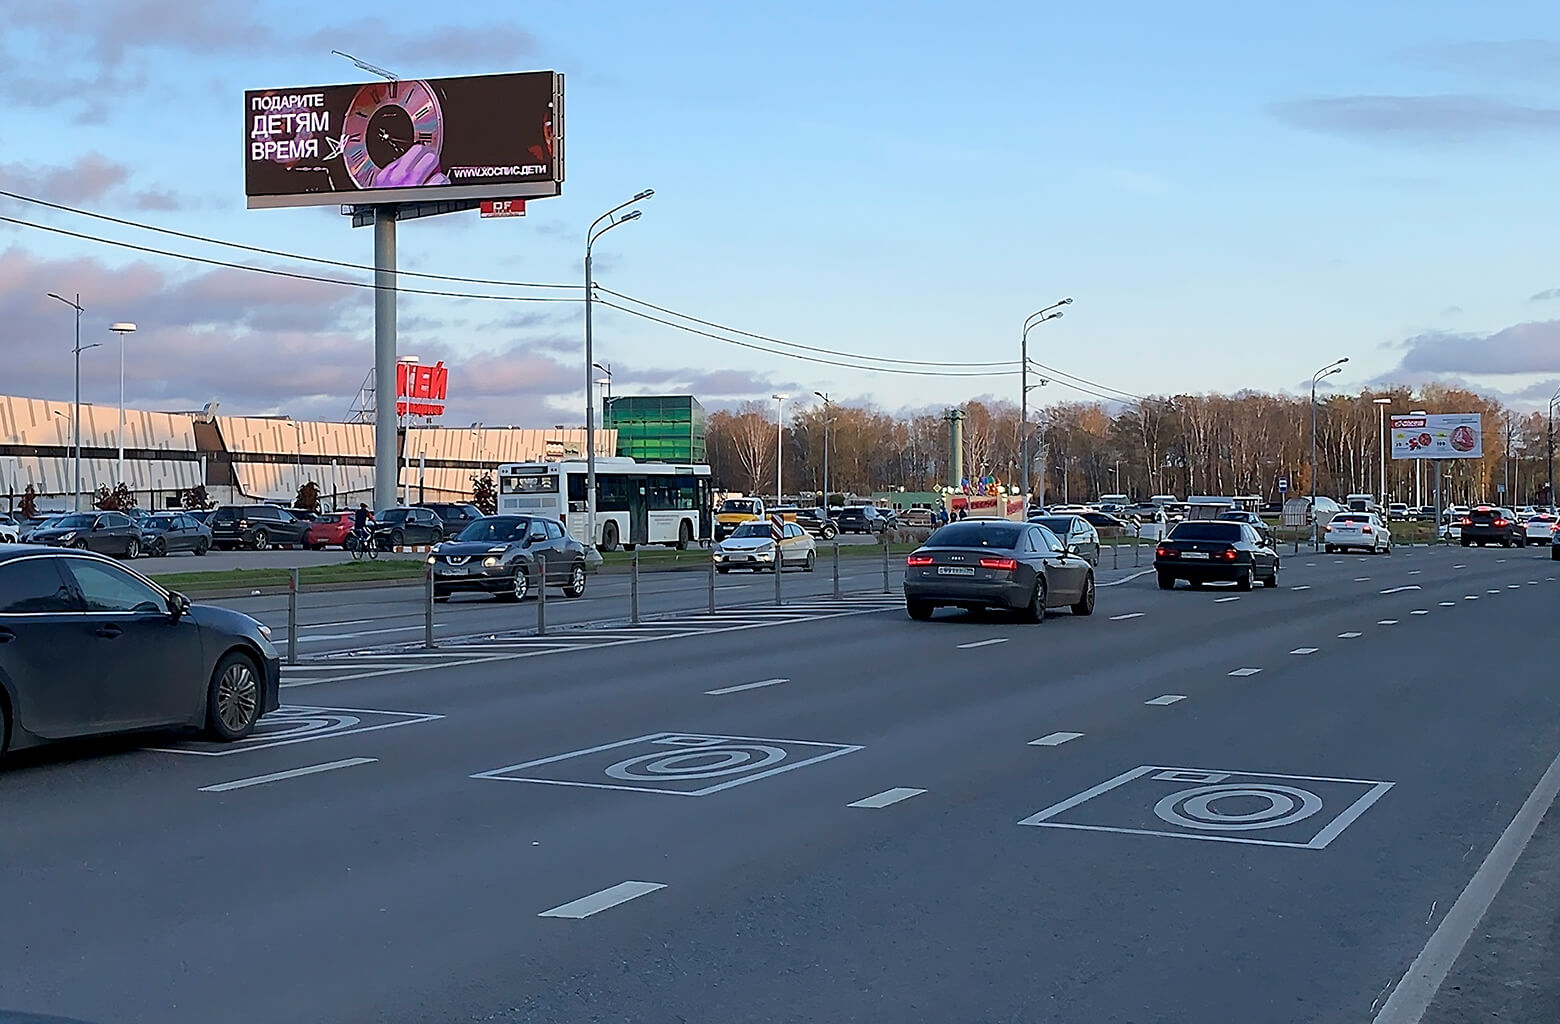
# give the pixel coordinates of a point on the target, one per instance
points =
(386, 456)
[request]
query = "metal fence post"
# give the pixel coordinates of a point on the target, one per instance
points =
(633, 588)
(292, 616)
(541, 603)
(1137, 544)
(885, 564)
(712, 582)
(776, 569)
(1115, 556)
(836, 570)
(428, 609)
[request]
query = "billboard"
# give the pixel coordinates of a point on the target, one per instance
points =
(1442, 436)
(421, 390)
(429, 140)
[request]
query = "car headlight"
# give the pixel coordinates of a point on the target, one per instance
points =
(68, 535)
(431, 559)
(489, 562)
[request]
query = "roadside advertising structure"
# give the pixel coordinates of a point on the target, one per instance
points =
(1441, 436)
(421, 390)
(427, 140)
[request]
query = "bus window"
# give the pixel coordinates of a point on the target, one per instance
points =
(544, 484)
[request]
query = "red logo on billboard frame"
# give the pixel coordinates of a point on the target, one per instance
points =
(421, 390)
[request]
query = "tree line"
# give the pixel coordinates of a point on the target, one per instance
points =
(1172, 444)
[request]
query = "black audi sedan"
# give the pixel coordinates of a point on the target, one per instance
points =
(995, 563)
(1213, 550)
(509, 556)
(90, 647)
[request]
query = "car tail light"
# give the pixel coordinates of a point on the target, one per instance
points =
(1164, 552)
(1501, 522)
(1365, 529)
(919, 560)
(1229, 555)
(999, 563)
(1466, 522)
(1329, 528)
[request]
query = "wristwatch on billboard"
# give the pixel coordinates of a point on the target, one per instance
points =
(389, 121)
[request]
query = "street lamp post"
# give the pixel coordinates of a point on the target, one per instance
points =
(826, 418)
(1326, 371)
(1381, 414)
(76, 419)
(779, 443)
(122, 328)
(1553, 401)
(591, 235)
(1034, 319)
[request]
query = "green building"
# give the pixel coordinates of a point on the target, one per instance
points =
(657, 428)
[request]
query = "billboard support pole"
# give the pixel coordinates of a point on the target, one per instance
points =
(385, 434)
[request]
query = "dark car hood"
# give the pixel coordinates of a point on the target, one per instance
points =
(223, 619)
(54, 534)
(472, 548)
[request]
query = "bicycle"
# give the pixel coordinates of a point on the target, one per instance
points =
(363, 545)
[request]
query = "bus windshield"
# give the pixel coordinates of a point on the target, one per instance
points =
(538, 484)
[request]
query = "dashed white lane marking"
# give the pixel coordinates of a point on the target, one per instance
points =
(1415, 572)
(1532, 583)
(983, 643)
(292, 773)
(606, 899)
(1420, 611)
(1349, 636)
(1169, 698)
(1054, 739)
(1245, 672)
(1459, 567)
(1399, 590)
(1222, 600)
(1500, 559)
(1362, 579)
(745, 686)
(1448, 604)
(1310, 565)
(1549, 579)
(888, 796)
(1492, 591)
(1129, 615)
(1386, 622)
(1470, 597)
(1306, 587)
(1305, 650)
(1513, 586)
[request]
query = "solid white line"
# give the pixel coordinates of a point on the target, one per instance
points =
(1419, 984)
(1349, 636)
(606, 899)
(1399, 590)
(746, 686)
(1169, 698)
(1304, 650)
(1129, 615)
(1054, 739)
(888, 796)
(983, 643)
(1222, 600)
(1245, 672)
(293, 773)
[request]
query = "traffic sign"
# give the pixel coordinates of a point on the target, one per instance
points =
(1283, 485)
(1500, 488)
(777, 526)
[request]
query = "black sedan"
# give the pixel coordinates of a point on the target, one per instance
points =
(1486, 524)
(1211, 550)
(89, 647)
(509, 556)
(396, 527)
(166, 532)
(1251, 519)
(107, 533)
(994, 563)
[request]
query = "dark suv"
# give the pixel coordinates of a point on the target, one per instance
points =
(861, 519)
(260, 527)
(455, 516)
(1486, 524)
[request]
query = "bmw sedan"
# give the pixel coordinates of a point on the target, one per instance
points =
(509, 557)
(995, 563)
(1206, 551)
(90, 647)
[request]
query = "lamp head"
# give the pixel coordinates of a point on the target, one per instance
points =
(122, 327)
(646, 194)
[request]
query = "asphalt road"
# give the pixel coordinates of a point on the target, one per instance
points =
(1194, 806)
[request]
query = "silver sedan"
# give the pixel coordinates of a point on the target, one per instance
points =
(752, 546)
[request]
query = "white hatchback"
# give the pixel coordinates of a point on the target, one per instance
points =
(1362, 530)
(1540, 527)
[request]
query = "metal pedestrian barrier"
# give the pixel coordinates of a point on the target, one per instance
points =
(292, 616)
(541, 602)
(836, 570)
(633, 588)
(428, 609)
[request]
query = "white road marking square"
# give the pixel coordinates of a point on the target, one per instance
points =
(1245, 672)
(287, 725)
(1305, 812)
(1386, 622)
(886, 798)
(1420, 611)
(675, 763)
(1169, 698)
(606, 899)
(1055, 739)
(1304, 650)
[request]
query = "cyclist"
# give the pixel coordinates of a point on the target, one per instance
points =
(360, 526)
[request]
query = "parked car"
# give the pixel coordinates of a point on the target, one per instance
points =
(200, 514)
(166, 532)
(919, 517)
(1425, 513)
(107, 533)
(996, 563)
(1540, 529)
(10, 530)
(509, 557)
(454, 516)
(1398, 512)
(1251, 519)
(1077, 533)
(1525, 512)
(733, 512)
(30, 526)
(330, 529)
(1489, 524)
(1363, 531)
(861, 519)
(752, 546)
(1214, 550)
(260, 527)
(1105, 524)
(89, 647)
(399, 527)
(816, 522)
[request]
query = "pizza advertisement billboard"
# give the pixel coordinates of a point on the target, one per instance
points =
(426, 140)
(1439, 436)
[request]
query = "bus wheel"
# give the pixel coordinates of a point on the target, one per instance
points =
(684, 535)
(609, 536)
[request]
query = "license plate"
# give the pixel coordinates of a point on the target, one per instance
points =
(1195, 554)
(455, 570)
(955, 570)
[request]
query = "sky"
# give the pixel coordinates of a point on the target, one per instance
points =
(1233, 195)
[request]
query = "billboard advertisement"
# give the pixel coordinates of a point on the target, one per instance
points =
(429, 140)
(1441, 436)
(421, 390)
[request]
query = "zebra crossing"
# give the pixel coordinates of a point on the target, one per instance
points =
(480, 648)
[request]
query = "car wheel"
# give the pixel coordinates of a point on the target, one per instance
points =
(684, 535)
(261, 541)
(1035, 612)
(576, 584)
(920, 611)
(1085, 605)
(1272, 581)
(1554, 553)
(811, 563)
(1327, 549)
(1505, 543)
(80, 545)
(233, 698)
(609, 536)
(397, 539)
(1166, 581)
(1247, 580)
(1467, 543)
(158, 549)
(829, 533)
(132, 549)
(520, 586)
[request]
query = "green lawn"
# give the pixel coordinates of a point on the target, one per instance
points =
(344, 572)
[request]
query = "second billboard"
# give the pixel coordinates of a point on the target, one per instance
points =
(1441, 436)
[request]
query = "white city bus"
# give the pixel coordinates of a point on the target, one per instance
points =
(636, 502)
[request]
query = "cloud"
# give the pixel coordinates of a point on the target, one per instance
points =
(497, 42)
(109, 31)
(1545, 295)
(1452, 311)
(1418, 120)
(88, 180)
(1532, 347)
(156, 199)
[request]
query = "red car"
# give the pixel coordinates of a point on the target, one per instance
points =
(330, 529)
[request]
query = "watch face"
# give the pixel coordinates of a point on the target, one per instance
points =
(384, 121)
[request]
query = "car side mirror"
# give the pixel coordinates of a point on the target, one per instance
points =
(178, 605)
